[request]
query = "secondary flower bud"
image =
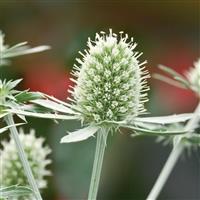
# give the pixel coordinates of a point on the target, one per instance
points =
(11, 170)
(111, 82)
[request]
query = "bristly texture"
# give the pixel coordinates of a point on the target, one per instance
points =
(111, 82)
(193, 76)
(11, 170)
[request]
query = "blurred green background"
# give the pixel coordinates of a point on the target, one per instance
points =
(166, 31)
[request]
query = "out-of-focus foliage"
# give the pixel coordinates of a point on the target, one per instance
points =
(168, 33)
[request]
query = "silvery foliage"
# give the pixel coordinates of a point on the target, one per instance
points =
(190, 81)
(7, 52)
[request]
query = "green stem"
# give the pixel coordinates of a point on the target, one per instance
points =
(98, 161)
(173, 158)
(14, 134)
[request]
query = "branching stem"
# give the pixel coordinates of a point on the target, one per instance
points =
(173, 158)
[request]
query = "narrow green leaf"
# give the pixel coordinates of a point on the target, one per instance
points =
(25, 96)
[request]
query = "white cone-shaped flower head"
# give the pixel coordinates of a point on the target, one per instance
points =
(194, 77)
(11, 170)
(111, 82)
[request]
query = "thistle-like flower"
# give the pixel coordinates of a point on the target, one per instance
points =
(111, 84)
(193, 76)
(11, 170)
(17, 50)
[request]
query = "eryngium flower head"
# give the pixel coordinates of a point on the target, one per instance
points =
(193, 76)
(111, 82)
(11, 170)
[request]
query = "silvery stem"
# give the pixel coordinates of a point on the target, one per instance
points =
(173, 158)
(28, 172)
(98, 161)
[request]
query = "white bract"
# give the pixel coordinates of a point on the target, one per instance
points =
(17, 50)
(193, 76)
(11, 170)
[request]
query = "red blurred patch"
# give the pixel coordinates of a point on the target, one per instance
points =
(48, 78)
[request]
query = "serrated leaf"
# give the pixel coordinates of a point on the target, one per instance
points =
(42, 115)
(25, 96)
(53, 106)
(80, 135)
(14, 191)
(169, 119)
(142, 131)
